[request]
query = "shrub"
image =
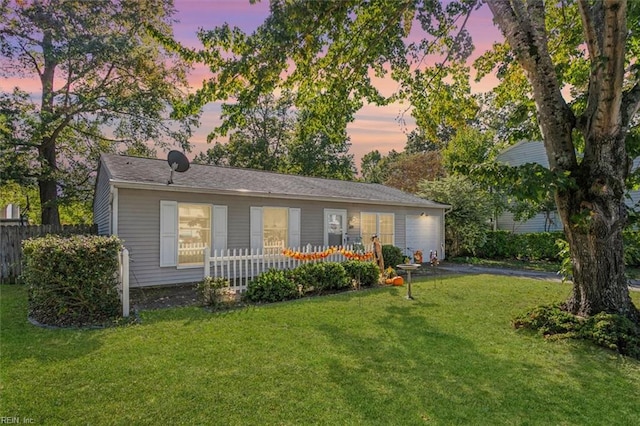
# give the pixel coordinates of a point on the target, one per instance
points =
(544, 246)
(548, 320)
(365, 273)
(611, 331)
(392, 255)
(322, 276)
(499, 245)
(540, 245)
(72, 281)
(215, 292)
(272, 286)
(532, 246)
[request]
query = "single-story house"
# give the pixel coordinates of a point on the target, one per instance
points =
(162, 224)
(534, 152)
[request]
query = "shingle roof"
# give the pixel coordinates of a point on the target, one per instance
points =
(154, 174)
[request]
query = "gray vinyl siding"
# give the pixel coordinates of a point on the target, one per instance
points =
(139, 227)
(525, 152)
(101, 210)
(536, 224)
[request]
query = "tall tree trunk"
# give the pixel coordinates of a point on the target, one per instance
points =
(49, 214)
(47, 185)
(594, 217)
(592, 209)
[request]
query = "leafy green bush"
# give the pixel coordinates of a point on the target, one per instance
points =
(544, 246)
(392, 255)
(322, 276)
(72, 281)
(272, 286)
(366, 273)
(615, 332)
(540, 245)
(611, 331)
(471, 208)
(532, 246)
(548, 320)
(215, 292)
(499, 245)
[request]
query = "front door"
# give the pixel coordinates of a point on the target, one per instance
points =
(335, 227)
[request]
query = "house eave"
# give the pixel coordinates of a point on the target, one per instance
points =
(247, 193)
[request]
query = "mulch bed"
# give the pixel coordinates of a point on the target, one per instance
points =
(163, 297)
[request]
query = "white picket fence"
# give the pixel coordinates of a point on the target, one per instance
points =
(239, 266)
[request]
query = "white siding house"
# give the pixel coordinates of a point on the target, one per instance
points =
(165, 226)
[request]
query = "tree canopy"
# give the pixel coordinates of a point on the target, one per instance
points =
(272, 135)
(105, 85)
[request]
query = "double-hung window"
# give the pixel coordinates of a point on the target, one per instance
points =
(194, 232)
(274, 228)
(380, 224)
(187, 228)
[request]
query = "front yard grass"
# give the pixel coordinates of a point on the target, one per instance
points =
(369, 357)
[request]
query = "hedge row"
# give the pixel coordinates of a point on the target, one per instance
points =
(533, 246)
(72, 281)
(543, 246)
(311, 278)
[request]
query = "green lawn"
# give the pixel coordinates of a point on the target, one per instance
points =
(371, 357)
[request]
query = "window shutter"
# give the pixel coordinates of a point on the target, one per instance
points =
(256, 227)
(219, 228)
(168, 233)
(294, 227)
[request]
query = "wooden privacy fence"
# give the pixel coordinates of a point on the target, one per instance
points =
(11, 238)
(239, 266)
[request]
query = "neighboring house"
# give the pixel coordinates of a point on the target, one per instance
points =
(165, 226)
(534, 152)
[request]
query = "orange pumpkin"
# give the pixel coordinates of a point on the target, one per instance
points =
(398, 281)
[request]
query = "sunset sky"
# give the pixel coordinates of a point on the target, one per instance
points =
(374, 127)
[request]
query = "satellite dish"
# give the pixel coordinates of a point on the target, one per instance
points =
(178, 163)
